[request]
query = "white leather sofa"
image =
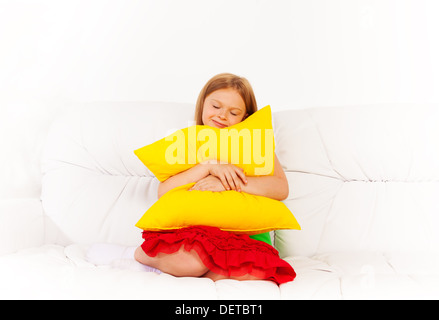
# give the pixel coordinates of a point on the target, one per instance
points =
(364, 185)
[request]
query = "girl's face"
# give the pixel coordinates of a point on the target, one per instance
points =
(223, 108)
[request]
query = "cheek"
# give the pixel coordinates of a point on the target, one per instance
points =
(209, 112)
(236, 120)
(205, 116)
(204, 113)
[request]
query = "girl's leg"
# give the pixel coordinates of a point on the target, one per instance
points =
(215, 277)
(181, 263)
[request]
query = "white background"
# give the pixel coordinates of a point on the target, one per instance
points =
(297, 53)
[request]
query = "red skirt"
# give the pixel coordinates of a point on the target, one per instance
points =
(222, 252)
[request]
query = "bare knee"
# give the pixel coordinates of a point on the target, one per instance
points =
(143, 258)
(138, 254)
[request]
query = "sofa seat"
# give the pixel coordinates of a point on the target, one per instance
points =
(364, 275)
(57, 272)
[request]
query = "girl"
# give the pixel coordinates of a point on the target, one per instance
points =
(201, 251)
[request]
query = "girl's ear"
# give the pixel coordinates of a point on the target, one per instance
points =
(245, 117)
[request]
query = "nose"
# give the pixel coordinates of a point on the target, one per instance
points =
(222, 114)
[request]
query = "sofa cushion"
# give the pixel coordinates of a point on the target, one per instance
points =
(364, 275)
(94, 189)
(360, 178)
(55, 272)
(21, 224)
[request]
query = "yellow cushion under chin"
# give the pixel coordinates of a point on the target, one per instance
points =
(248, 145)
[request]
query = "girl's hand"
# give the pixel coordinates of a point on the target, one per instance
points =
(230, 175)
(210, 183)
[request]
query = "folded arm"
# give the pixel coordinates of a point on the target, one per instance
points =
(220, 177)
(274, 187)
(193, 174)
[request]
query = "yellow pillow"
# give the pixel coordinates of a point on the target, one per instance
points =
(248, 145)
(232, 211)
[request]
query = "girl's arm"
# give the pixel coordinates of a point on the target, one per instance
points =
(193, 174)
(274, 187)
(230, 176)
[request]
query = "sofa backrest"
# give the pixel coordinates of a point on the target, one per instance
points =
(361, 178)
(94, 189)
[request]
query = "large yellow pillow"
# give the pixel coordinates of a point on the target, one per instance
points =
(248, 145)
(232, 211)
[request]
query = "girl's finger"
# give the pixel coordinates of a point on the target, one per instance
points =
(237, 182)
(230, 181)
(241, 175)
(224, 182)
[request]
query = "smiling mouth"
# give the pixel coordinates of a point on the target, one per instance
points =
(219, 125)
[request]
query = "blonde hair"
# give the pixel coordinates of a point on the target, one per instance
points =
(226, 81)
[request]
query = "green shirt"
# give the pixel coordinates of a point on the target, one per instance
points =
(265, 237)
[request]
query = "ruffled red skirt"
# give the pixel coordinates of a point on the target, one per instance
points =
(222, 252)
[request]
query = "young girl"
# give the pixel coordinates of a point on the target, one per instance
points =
(201, 251)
